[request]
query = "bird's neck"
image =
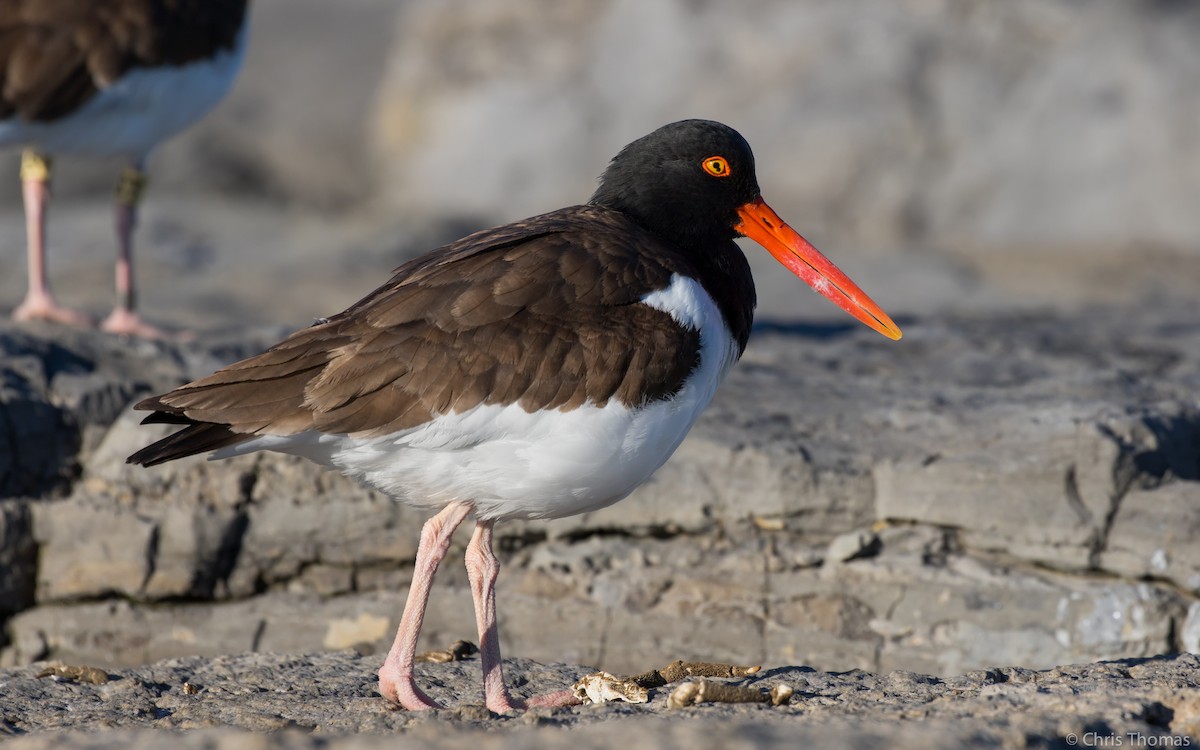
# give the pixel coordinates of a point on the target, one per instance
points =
(724, 272)
(720, 266)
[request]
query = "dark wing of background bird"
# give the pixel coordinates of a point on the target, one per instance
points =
(56, 54)
(541, 313)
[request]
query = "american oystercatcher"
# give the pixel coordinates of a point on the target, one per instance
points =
(106, 78)
(535, 370)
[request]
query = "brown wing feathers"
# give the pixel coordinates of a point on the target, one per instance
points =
(548, 323)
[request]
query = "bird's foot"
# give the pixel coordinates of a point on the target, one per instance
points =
(503, 703)
(43, 307)
(125, 322)
(402, 689)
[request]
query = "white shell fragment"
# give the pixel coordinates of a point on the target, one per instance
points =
(602, 687)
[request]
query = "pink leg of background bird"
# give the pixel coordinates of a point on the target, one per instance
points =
(483, 568)
(39, 302)
(123, 319)
(396, 675)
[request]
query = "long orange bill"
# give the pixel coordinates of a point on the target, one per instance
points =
(761, 224)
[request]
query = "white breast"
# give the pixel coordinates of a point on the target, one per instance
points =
(137, 112)
(548, 464)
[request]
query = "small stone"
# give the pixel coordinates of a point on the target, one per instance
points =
(684, 695)
(71, 673)
(769, 523)
(781, 694)
(856, 544)
(710, 691)
(457, 651)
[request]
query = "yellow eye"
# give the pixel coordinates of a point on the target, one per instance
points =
(716, 166)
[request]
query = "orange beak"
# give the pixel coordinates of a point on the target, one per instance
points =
(761, 224)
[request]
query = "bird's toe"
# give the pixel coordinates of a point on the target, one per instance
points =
(403, 690)
(45, 308)
(127, 323)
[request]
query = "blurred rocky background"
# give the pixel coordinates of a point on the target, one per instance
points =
(1017, 482)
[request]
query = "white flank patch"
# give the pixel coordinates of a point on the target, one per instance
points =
(548, 464)
(137, 112)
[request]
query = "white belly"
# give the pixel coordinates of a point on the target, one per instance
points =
(515, 464)
(140, 110)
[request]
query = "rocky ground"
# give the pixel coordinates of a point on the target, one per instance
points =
(329, 701)
(1012, 487)
(1003, 490)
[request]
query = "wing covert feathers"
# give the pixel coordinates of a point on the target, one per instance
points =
(542, 313)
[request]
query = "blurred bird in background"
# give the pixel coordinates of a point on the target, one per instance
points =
(106, 78)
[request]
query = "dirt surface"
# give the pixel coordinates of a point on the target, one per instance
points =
(329, 701)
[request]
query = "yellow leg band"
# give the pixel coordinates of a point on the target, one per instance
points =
(34, 166)
(130, 186)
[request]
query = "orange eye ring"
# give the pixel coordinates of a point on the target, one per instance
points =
(716, 166)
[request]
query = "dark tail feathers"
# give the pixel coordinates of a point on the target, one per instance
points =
(195, 437)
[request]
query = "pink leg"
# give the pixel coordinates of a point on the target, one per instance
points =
(482, 569)
(123, 319)
(39, 303)
(396, 675)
